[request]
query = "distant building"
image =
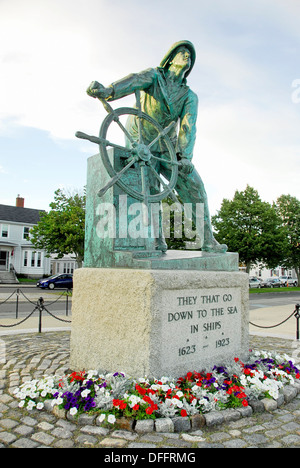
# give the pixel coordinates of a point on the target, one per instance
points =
(67, 264)
(17, 254)
(265, 273)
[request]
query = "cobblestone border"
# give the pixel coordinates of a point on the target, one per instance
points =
(184, 424)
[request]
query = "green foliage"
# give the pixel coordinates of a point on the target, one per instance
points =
(252, 228)
(61, 231)
(180, 233)
(288, 209)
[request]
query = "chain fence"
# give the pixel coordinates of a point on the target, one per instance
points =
(295, 314)
(40, 306)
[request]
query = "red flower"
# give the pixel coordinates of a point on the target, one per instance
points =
(183, 413)
(142, 391)
(236, 359)
(245, 403)
(79, 377)
(116, 402)
(297, 376)
(136, 407)
(122, 404)
(149, 410)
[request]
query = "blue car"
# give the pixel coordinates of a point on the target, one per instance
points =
(64, 281)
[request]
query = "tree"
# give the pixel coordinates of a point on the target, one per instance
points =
(61, 231)
(252, 228)
(288, 208)
(179, 230)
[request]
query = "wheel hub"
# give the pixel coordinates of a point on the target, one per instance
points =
(143, 152)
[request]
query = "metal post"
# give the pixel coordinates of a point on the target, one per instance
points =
(67, 304)
(17, 304)
(297, 315)
(40, 305)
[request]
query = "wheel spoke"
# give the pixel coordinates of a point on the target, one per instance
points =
(168, 161)
(165, 186)
(117, 120)
(163, 133)
(116, 178)
(99, 140)
(139, 109)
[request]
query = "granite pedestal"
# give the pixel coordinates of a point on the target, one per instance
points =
(158, 322)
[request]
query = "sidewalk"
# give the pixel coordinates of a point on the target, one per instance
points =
(31, 325)
(269, 316)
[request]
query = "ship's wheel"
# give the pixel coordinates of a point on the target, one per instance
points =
(139, 154)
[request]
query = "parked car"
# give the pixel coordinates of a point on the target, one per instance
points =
(64, 281)
(254, 282)
(288, 281)
(271, 283)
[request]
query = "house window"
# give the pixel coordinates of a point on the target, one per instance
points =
(4, 230)
(33, 259)
(25, 258)
(39, 259)
(26, 233)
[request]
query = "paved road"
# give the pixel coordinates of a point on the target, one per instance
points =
(10, 309)
(262, 300)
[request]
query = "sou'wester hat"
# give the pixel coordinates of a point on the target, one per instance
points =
(167, 58)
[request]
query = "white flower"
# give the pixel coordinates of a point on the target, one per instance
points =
(21, 404)
(154, 387)
(177, 403)
(73, 411)
(31, 405)
(165, 388)
(111, 419)
(164, 380)
(40, 406)
(102, 417)
(58, 401)
(91, 373)
(179, 394)
(85, 393)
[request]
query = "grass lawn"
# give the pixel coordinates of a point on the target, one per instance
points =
(273, 290)
(27, 280)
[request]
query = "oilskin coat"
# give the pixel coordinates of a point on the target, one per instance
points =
(158, 101)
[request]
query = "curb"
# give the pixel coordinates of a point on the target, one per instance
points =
(181, 424)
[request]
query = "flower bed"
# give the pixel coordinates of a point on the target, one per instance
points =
(114, 396)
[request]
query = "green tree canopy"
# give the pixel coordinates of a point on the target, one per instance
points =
(252, 228)
(61, 231)
(288, 209)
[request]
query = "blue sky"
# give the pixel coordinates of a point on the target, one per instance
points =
(247, 62)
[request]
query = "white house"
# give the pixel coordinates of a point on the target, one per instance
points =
(265, 273)
(16, 251)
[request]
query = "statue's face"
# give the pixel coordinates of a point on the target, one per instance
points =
(182, 58)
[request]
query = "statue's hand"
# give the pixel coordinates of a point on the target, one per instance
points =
(187, 166)
(97, 90)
